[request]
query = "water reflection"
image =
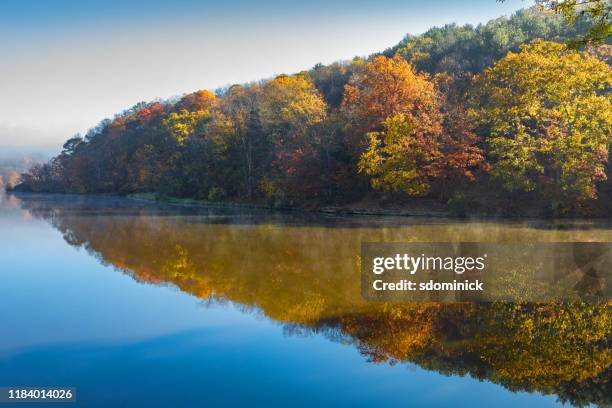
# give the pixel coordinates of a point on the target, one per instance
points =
(303, 271)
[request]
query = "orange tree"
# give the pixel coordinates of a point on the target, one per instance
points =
(399, 132)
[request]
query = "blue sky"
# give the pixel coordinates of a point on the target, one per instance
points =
(67, 64)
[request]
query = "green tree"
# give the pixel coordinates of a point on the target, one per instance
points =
(599, 13)
(398, 159)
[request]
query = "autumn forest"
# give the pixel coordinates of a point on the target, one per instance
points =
(509, 117)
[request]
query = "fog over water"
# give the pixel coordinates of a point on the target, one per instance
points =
(107, 293)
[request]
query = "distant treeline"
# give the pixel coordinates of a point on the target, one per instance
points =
(20, 161)
(504, 114)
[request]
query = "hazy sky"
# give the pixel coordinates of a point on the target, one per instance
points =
(67, 64)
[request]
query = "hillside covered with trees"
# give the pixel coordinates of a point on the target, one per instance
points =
(508, 117)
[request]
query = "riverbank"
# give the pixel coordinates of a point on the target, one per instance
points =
(424, 208)
(374, 206)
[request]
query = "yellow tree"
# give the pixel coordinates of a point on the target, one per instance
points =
(397, 159)
(185, 124)
(291, 111)
(548, 112)
(290, 105)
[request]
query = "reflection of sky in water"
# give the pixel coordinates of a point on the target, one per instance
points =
(68, 320)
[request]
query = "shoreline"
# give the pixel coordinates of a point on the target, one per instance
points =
(329, 209)
(347, 210)
(337, 210)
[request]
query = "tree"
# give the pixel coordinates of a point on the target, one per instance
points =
(387, 87)
(248, 146)
(400, 159)
(291, 111)
(596, 15)
(598, 11)
(72, 144)
(410, 146)
(463, 51)
(199, 100)
(290, 105)
(461, 147)
(331, 79)
(185, 124)
(548, 113)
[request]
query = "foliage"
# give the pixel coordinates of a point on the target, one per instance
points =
(598, 11)
(398, 159)
(462, 51)
(185, 124)
(413, 150)
(412, 121)
(292, 111)
(548, 113)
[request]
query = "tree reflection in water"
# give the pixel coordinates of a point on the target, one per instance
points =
(304, 273)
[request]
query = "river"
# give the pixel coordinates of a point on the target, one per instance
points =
(152, 305)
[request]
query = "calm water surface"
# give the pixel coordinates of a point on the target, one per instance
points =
(136, 304)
